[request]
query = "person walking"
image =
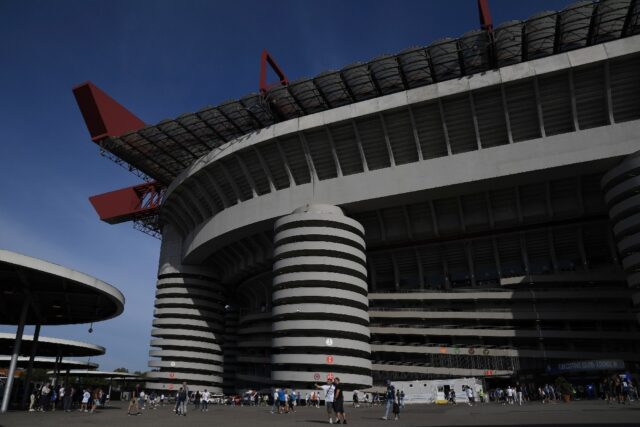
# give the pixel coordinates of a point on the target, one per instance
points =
(196, 400)
(329, 393)
(186, 400)
(133, 402)
(53, 399)
(141, 400)
(177, 405)
(183, 397)
(354, 399)
(275, 401)
(153, 400)
(67, 400)
(510, 399)
(470, 398)
(85, 400)
(519, 394)
(205, 401)
(282, 401)
(61, 392)
(293, 400)
(32, 400)
(396, 407)
(95, 399)
(390, 397)
(452, 396)
(338, 401)
(44, 397)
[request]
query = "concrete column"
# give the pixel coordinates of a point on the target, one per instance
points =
(14, 357)
(27, 379)
(320, 299)
(230, 349)
(56, 369)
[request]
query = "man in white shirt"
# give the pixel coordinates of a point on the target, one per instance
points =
(470, 398)
(275, 401)
(142, 400)
(205, 400)
(61, 395)
(85, 401)
(329, 390)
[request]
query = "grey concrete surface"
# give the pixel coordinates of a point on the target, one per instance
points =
(595, 413)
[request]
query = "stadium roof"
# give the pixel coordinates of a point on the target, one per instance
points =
(162, 151)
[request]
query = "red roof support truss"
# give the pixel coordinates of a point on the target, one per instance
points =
(129, 203)
(265, 59)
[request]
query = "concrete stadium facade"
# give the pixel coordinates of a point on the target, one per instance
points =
(480, 226)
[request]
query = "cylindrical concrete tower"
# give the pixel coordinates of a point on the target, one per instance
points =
(320, 305)
(621, 186)
(188, 325)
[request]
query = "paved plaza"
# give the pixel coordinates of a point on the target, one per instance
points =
(593, 413)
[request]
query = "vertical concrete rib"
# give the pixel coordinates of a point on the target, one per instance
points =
(265, 169)
(363, 158)
(320, 305)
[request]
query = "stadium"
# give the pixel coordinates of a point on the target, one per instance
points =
(468, 208)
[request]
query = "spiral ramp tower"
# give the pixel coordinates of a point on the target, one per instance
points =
(188, 326)
(621, 188)
(320, 306)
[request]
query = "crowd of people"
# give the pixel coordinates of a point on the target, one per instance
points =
(48, 397)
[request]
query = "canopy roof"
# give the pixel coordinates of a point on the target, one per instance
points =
(100, 374)
(58, 295)
(49, 362)
(49, 346)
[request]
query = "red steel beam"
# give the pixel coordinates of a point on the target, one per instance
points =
(103, 115)
(128, 203)
(265, 59)
(486, 23)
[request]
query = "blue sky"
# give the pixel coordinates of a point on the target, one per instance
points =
(159, 59)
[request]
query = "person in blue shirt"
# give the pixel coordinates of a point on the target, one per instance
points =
(282, 401)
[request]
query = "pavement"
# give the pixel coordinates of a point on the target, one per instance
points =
(587, 413)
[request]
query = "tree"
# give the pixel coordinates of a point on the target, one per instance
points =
(125, 370)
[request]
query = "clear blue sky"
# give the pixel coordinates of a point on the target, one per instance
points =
(160, 59)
